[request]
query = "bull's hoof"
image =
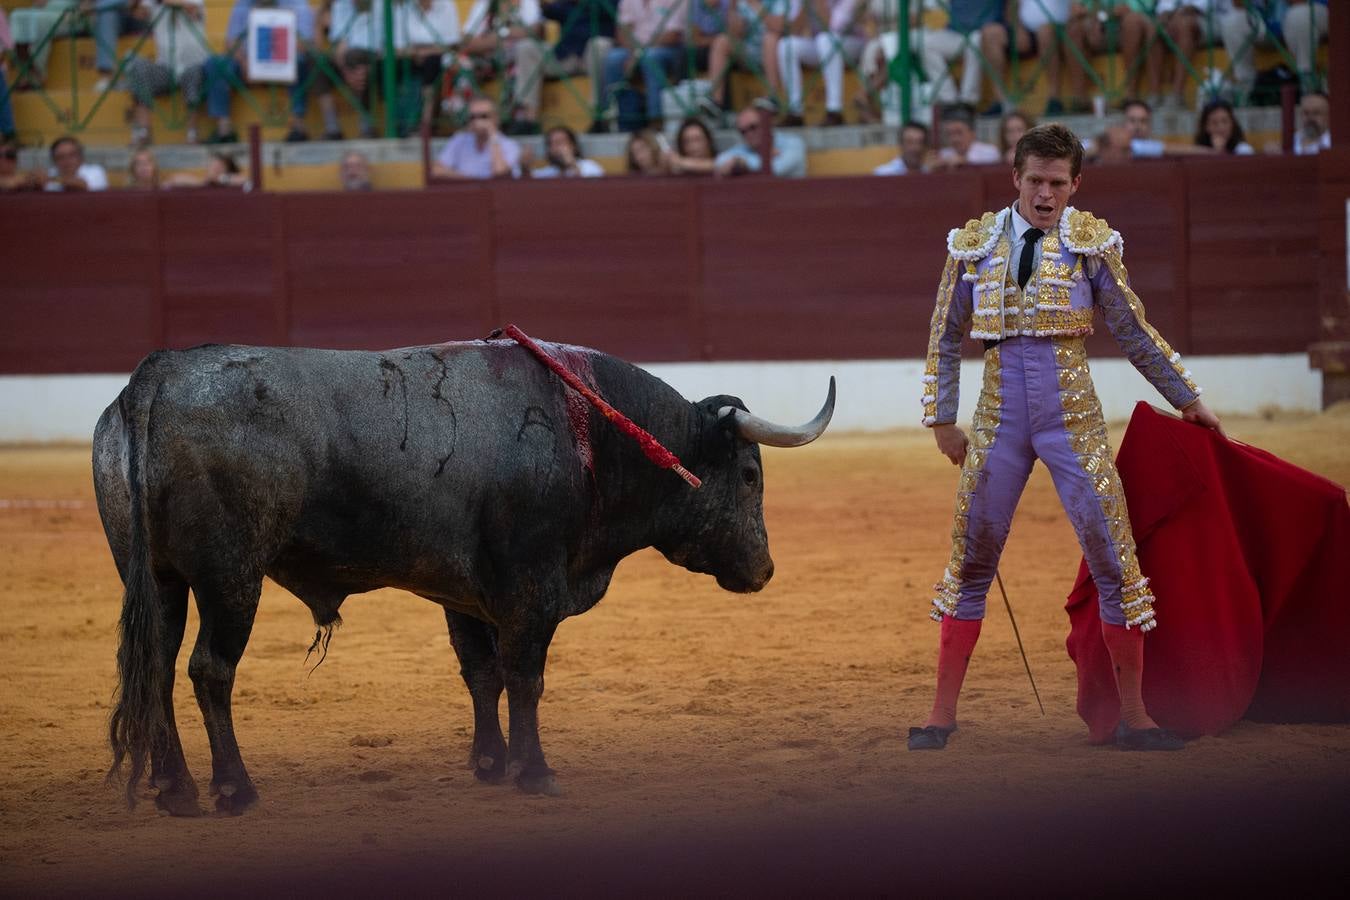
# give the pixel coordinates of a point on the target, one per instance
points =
(234, 797)
(489, 768)
(538, 781)
(177, 797)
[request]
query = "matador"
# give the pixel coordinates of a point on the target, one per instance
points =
(1027, 281)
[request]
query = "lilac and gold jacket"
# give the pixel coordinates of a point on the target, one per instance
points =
(1081, 271)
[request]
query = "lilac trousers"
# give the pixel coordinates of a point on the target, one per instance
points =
(1038, 402)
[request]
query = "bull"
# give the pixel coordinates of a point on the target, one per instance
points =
(465, 473)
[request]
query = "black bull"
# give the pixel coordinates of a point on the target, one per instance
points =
(464, 473)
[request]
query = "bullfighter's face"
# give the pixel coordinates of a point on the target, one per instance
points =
(1044, 187)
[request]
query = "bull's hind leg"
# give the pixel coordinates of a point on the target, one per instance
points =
(226, 610)
(168, 768)
(475, 644)
(524, 651)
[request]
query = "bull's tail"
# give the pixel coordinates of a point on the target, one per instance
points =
(138, 722)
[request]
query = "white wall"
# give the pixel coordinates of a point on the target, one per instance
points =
(873, 394)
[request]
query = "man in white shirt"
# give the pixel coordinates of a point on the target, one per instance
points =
(479, 151)
(913, 147)
(70, 172)
(503, 35)
(1314, 129)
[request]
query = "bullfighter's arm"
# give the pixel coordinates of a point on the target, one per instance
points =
(951, 320)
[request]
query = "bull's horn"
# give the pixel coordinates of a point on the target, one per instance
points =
(770, 434)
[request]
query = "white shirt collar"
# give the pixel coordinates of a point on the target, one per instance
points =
(1019, 224)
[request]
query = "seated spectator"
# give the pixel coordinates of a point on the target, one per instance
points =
(1010, 131)
(1254, 23)
(1040, 33)
(836, 37)
(180, 61)
(959, 145)
(974, 27)
(563, 152)
(35, 28)
(651, 40)
(69, 171)
(1304, 26)
(502, 39)
(1219, 130)
(1139, 120)
(224, 71)
(432, 26)
(1106, 26)
(913, 152)
(1314, 124)
(355, 47)
(111, 20)
(354, 172)
(587, 37)
(143, 171)
(12, 180)
(750, 42)
(695, 151)
(1190, 24)
(644, 155)
(480, 150)
(1113, 146)
(221, 172)
(789, 150)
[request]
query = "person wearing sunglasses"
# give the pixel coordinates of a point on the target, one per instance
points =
(789, 151)
(480, 150)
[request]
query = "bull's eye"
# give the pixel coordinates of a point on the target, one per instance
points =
(750, 475)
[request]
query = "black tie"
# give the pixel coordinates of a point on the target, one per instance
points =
(1031, 236)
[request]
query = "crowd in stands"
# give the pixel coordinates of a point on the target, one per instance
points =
(632, 49)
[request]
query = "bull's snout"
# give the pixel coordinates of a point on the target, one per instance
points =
(748, 582)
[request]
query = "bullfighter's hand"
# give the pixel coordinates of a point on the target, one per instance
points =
(952, 442)
(1198, 413)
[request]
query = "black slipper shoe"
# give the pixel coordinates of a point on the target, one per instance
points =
(930, 737)
(1147, 739)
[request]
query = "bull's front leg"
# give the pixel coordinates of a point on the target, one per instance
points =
(475, 644)
(523, 651)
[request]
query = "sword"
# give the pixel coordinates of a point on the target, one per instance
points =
(1020, 649)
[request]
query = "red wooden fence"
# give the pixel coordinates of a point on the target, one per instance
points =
(1223, 252)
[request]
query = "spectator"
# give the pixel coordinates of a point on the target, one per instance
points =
(143, 171)
(1107, 26)
(1219, 130)
(481, 150)
(225, 70)
(431, 27)
(587, 37)
(836, 37)
(35, 30)
(70, 172)
(1010, 131)
(221, 172)
(502, 37)
(563, 152)
(1139, 120)
(960, 146)
(656, 28)
(180, 59)
(1250, 24)
(974, 27)
(789, 151)
(1113, 145)
(1304, 26)
(913, 150)
(1190, 25)
(11, 179)
(754, 28)
(1041, 33)
(1314, 128)
(6, 112)
(644, 155)
(695, 152)
(355, 47)
(112, 19)
(354, 172)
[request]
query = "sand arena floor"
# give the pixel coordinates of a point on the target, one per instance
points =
(704, 741)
